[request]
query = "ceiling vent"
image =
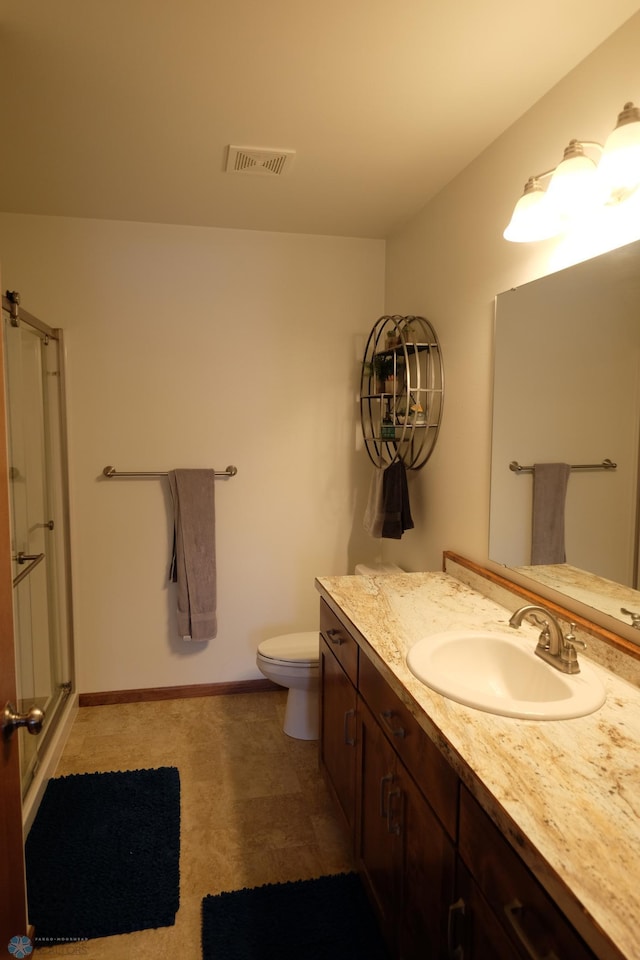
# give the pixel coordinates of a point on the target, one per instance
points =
(259, 161)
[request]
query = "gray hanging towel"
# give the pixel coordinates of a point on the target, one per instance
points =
(373, 514)
(395, 501)
(549, 494)
(193, 564)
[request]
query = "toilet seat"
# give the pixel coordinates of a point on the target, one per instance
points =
(292, 649)
(293, 666)
(293, 660)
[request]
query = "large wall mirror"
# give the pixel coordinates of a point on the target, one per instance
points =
(567, 390)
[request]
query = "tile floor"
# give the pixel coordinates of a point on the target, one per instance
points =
(254, 808)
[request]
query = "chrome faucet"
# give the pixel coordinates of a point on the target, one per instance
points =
(554, 646)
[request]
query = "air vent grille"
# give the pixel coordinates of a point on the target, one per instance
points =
(259, 161)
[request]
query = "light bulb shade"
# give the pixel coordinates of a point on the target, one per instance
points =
(573, 186)
(619, 168)
(532, 219)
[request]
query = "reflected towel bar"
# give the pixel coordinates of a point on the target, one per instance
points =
(112, 472)
(605, 465)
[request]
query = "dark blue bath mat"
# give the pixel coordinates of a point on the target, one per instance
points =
(103, 855)
(325, 919)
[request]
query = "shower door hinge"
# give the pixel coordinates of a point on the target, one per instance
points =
(14, 312)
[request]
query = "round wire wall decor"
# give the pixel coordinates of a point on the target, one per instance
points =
(401, 391)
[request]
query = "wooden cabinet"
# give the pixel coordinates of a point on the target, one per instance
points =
(340, 642)
(403, 852)
(406, 823)
(474, 929)
(503, 902)
(445, 882)
(370, 746)
(338, 705)
(427, 879)
(338, 733)
(434, 776)
(379, 820)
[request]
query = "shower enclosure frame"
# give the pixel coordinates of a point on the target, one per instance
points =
(63, 708)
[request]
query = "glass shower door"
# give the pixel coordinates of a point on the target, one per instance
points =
(38, 530)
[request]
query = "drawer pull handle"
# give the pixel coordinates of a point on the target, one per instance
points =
(399, 731)
(455, 930)
(513, 911)
(350, 742)
(388, 779)
(396, 827)
(335, 637)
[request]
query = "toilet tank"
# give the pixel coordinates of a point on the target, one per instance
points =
(373, 570)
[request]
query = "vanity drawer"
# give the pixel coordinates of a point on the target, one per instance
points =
(431, 772)
(520, 904)
(340, 642)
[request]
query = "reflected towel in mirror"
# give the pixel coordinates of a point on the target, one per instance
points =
(550, 482)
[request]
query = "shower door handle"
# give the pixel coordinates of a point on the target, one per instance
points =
(32, 720)
(33, 559)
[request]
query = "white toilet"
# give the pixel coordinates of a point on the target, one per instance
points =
(366, 570)
(293, 660)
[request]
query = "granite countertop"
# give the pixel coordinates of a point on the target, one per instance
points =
(587, 588)
(566, 792)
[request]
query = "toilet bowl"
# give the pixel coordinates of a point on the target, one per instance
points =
(375, 569)
(293, 660)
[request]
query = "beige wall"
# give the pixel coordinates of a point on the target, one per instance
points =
(451, 260)
(203, 347)
(199, 347)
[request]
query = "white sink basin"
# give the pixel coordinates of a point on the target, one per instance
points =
(501, 674)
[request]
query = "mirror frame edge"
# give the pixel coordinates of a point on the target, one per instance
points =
(612, 638)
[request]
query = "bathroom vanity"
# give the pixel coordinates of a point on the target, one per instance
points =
(476, 835)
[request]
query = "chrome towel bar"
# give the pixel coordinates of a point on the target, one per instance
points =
(605, 465)
(112, 472)
(32, 559)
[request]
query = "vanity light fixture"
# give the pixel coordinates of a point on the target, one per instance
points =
(579, 183)
(572, 183)
(619, 168)
(531, 218)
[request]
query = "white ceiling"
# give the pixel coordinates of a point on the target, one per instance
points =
(123, 109)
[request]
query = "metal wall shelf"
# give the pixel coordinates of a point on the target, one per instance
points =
(401, 391)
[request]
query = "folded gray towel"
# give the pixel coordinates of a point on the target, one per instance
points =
(193, 565)
(550, 482)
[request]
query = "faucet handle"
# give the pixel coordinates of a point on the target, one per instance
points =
(635, 617)
(569, 654)
(572, 639)
(545, 636)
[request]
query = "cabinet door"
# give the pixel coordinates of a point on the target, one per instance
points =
(338, 733)
(431, 773)
(530, 918)
(474, 930)
(379, 820)
(427, 877)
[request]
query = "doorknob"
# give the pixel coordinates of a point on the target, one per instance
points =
(32, 719)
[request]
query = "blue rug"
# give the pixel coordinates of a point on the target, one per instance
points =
(103, 855)
(325, 919)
